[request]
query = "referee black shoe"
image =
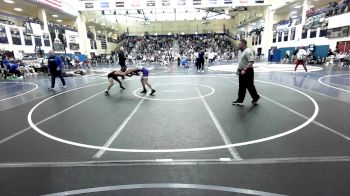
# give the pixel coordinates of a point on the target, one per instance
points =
(237, 103)
(255, 101)
(153, 91)
(144, 91)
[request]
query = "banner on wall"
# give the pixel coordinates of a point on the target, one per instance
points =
(144, 4)
(323, 30)
(16, 36)
(46, 38)
(103, 40)
(280, 36)
(338, 32)
(286, 34)
(58, 38)
(28, 30)
(72, 39)
(292, 33)
(37, 40)
(36, 29)
(150, 3)
(304, 33)
(28, 40)
(73, 46)
(315, 22)
(3, 36)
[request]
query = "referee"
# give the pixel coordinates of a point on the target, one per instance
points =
(122, 59)
(245, 74)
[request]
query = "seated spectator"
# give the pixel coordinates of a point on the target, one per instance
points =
(3, 69)
(14, 68)
(330, 53)
(25, 69)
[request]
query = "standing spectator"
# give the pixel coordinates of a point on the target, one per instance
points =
(55, 68)
(271, 54)
(201, 61)
(122, 59)
(245, 73)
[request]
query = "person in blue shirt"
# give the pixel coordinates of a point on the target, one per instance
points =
(4, 63)
(55, 69)
(13, 68)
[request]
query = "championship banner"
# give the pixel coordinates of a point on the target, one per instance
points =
(28, 30)
(28, 40)
(338, 32)
(37, 40)
(274, 37)
(144, 4)
(46, 38)
(16, 36)
(286, 35)
(315, 22)
(103, 40)
(292, 33)
(36, 28)
(3, 36)
(73, 46)
(304, 33)
(280, 36)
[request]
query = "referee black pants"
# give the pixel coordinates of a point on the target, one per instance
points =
(246, 81)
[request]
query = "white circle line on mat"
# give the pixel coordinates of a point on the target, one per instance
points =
(285, 133)
(35, 88)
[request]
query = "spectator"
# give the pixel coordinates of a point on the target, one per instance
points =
(122, 59)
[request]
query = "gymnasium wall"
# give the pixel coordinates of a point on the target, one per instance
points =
(188, 27)
(320, 42)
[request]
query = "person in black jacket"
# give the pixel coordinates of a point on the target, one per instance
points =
(122, 59)
(201, 61)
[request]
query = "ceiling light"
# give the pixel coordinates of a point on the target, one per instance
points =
(98, 31)
(59, 20)
(297, 6)
(55, 16)
(9, 1)
(293, 12)
(253, 24)
(18, 9)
